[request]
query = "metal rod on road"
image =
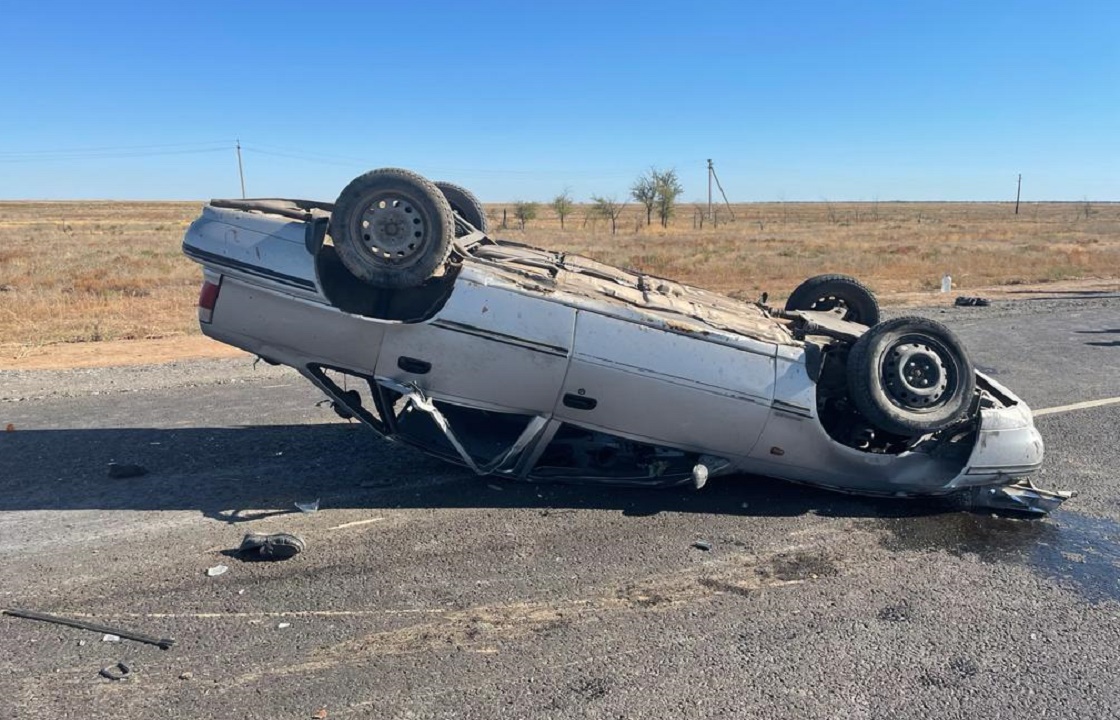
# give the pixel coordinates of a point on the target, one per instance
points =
(163, 643)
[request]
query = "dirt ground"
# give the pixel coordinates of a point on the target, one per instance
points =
(113, 353)
(118, 353)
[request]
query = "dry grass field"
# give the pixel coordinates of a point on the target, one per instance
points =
(80, 272)
(893, 247)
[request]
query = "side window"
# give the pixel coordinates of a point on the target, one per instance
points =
(485, 435)
(579, 453)
(351, 396)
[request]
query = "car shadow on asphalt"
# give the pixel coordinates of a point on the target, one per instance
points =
(239, 474)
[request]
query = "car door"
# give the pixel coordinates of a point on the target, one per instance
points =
(488, 347)
(668, 388)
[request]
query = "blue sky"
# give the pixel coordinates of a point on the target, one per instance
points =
(793, 101)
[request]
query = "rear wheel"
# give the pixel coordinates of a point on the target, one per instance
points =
(840, 294)
(464, 203)
(910, 376)
(392, 228)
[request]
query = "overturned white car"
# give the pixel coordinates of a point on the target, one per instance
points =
(539, 365)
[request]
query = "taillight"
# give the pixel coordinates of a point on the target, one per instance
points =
(207, 298)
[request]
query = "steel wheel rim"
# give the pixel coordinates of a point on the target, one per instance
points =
(394, 230)
(918, 374)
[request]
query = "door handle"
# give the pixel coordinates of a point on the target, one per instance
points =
(413, 365)
(579, 402)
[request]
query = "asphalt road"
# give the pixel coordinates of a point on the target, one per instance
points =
(425, 592)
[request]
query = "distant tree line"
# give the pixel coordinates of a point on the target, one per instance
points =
(656, 190)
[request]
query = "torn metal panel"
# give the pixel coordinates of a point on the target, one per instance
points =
(1021, 496)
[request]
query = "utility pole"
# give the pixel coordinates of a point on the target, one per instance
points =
(712, 176)
(711, 170)
(1017, 191)
(240, 169)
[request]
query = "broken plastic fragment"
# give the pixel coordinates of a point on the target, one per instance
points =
(281, 626)
(216, 570)
(308, 507)
(115, 672)
(699, 475)
(702, 545)
(1022, 496)
(109, 637)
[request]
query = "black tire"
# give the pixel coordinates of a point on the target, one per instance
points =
(842, 294)
(910, 376)
(465, 204)
(392, 228)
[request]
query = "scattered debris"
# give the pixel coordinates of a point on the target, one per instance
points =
(116, 672)
(281, 626)
(308, 507)
(125, 470)
(702, 545)
(699, 476)
(186, 675)
(497, 488)
(10, 427)
(276, 546)
(898, 612)
(162, 643)
(110, 637)
(965, 301)
(216, 570)
(319, 714)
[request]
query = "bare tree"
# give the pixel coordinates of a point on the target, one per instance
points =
(608, 207)
(562, 205)
(644, 191)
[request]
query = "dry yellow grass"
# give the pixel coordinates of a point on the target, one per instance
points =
(90, 271)
(893, 247)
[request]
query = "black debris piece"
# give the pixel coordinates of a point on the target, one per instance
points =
(116, 672)
(277, 546)
(966, 301)
(126, 470)
(162, 643)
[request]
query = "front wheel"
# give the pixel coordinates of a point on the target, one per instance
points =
(392, 228)
(910, 376)
(840, 294)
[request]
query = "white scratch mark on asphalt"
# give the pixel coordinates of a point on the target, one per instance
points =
(356, 523)
(1077, 406)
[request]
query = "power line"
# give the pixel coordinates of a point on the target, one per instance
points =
(116, 148)
(108, 156)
